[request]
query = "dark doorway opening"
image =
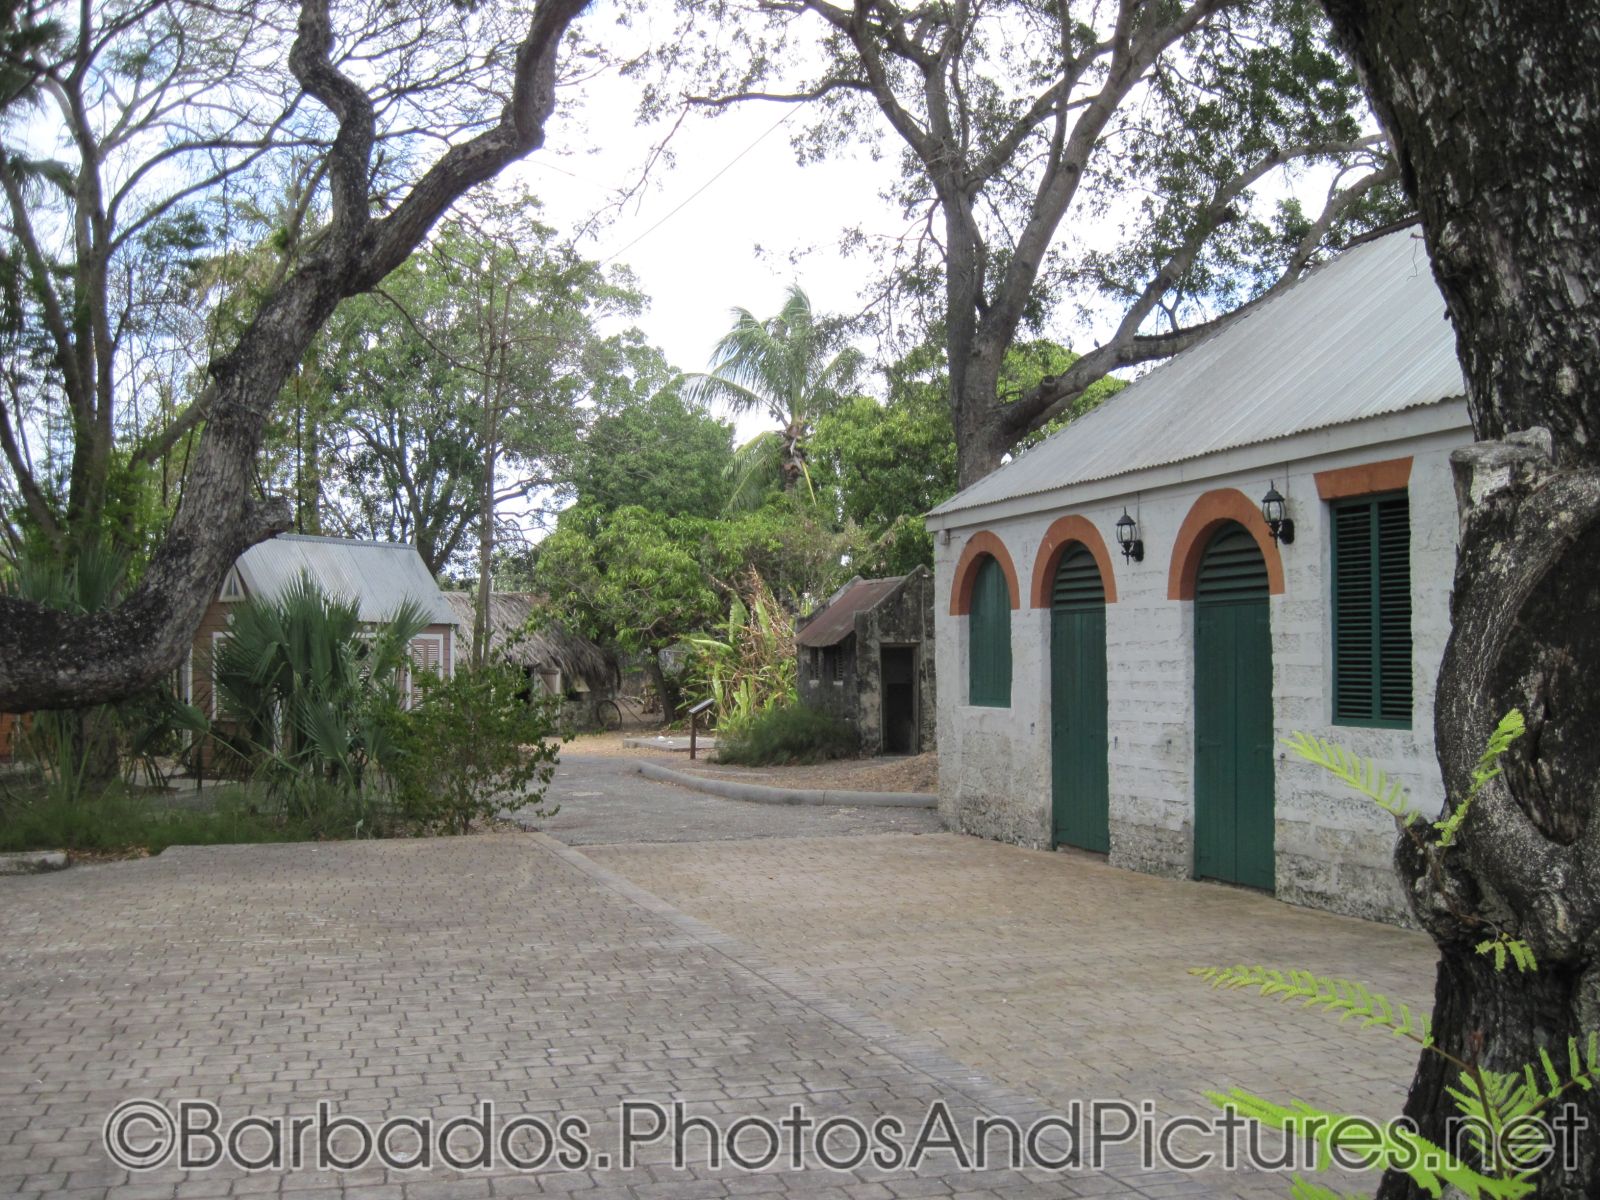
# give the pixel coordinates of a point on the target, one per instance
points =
(899, 699)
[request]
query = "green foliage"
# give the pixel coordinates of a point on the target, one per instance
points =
(630, 578)
(1381, 1148)
(120, 818)
(475, 744)
(662, 454)
(1500, 1108)
(1347, 998)
(887, 464)
(793, 366)
(752, 668)
(313, 695)
(640, 581)
(1502, 946)
(78, 751)
(789, 733)
(1365, 776)
(1027, 363)
(481, 353)
(1359, 774)
(1511, 727)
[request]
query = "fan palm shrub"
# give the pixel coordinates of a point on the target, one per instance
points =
(312, 695)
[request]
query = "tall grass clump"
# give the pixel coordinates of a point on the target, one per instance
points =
(787, 734)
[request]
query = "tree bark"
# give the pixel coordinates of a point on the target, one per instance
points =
(52, 659)
(1494, 114)
(671, 695)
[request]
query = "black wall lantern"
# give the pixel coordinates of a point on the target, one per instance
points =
(1128, 537)
(1275, 509)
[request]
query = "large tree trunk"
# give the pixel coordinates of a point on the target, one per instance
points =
(53, 659)
(984, 439)
(1494, 111)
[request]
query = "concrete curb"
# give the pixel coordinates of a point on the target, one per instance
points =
(755, 793)
(33, 862)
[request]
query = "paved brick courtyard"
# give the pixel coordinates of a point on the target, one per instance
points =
(606, 800)
(1054, 973)
(867, 975)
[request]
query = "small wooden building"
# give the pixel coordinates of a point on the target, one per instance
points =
(556, 661)
(377, 577)
(867, 657)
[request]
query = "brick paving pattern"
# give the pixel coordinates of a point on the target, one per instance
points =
(1055, 974)
(730, 965)
(419, 977)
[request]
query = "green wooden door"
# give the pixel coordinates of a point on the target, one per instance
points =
(1233, 818)
(1079, 779)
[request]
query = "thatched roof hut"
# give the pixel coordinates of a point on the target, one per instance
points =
(547, 650)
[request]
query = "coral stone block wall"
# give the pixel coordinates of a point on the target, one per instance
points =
(1332, 848)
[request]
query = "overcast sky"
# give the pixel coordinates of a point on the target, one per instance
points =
(718, 227)
(743, 207)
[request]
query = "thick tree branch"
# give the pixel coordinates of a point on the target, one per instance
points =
(1054, 395)
(826, 88)
(52, 659)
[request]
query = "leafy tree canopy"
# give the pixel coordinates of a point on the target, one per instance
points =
(1059, 159)
(664, 454)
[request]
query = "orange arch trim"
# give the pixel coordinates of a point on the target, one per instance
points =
(1064, 532)
(1210, 512)
(981, 544)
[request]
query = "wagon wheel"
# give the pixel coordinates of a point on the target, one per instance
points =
(608, 715)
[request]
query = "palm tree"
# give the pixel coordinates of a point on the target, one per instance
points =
(787, 366)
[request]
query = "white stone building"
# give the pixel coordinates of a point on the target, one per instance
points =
(1142, 705)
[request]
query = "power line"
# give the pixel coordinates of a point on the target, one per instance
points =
(731, 163)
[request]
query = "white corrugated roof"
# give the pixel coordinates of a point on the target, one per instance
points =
(1361, 336)
(375, 576)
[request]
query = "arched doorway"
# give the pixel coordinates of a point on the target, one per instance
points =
(1233, 801)
(1078, 767)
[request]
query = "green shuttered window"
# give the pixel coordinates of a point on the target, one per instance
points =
(1372, 611)
(989, 640)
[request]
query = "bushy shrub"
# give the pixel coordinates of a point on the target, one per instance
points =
(791, 733)
(475, 744)
(752, 668)
(311, 694)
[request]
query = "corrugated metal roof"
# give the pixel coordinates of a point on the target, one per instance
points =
(375, 576)
(1361, 336)
(838, 621)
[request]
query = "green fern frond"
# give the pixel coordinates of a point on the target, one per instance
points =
(1360, 774)
(1393, 1147)
(1498, 1119)
(1583, 1070)
(1499, 1108)
(1349, 999)
(1304, 1189)
(1511, 727)
(1504, 947)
